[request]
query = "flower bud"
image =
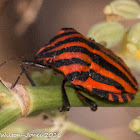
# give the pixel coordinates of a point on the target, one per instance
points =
(122, 9)
(110, 33)
(135, 125)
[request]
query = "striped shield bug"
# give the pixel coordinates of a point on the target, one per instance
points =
(88, 66)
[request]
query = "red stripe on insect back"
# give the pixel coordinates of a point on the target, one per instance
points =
(69, 55)
(129, 99)
(66, 45)
(72, 68)
(43, 48)
(110, 97)
(65, 37)
(89, 84)
(111, 75)
(115, 64)
(77, 82)
(45, 59)
(120, 97)
(104, 49)
(64, 31)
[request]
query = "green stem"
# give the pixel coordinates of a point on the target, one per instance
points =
(10, 110)
(42, 98)
(50, 97)
(62, 125)
(83, 131)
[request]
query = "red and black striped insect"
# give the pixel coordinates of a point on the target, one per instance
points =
(88, 66)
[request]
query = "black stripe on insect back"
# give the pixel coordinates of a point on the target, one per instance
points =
(42, 53)
(103, 63)
(49, 48)
(115, 98)
(68, 49)
(82, 76)
(100, 92)
(77, 39)
(67, 29)
(62, 35)
(124, 98)
(131, 96)
(102, 79)
(66, 62)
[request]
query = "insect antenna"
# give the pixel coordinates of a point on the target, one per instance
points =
(13, 58)
(16, 58)
(22, 68)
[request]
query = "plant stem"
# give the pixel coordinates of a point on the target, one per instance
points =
(41, 98)
(50, 97)
(10, 110)
(83, 131)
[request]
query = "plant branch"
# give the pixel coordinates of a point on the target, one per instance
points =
(16, 103)
(75, 128)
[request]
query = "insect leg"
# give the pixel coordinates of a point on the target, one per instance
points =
(13, 85)
(92, 104)
(13, 58)
(66, 104)
(26, 74)
(29, 63)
